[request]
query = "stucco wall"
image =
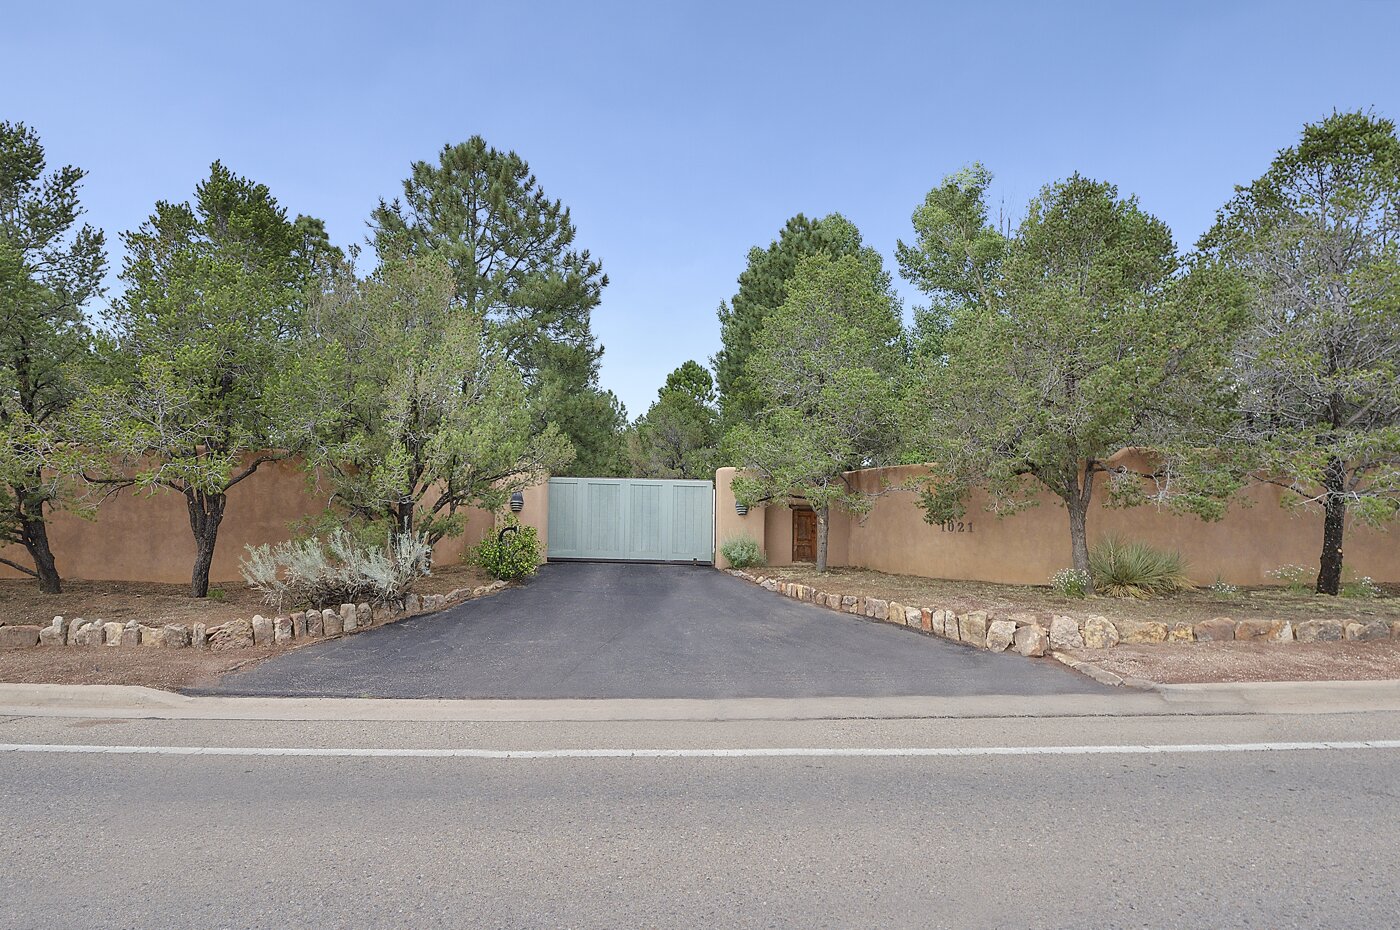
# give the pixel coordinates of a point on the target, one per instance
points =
(146, 537)
(1031, 546)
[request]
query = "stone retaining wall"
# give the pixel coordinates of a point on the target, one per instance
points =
(233, 634)
(1038, 634)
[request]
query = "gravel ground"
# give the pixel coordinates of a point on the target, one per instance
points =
(1220, 662)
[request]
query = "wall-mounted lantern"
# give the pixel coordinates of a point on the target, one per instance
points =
(517, 502)
(741, 509)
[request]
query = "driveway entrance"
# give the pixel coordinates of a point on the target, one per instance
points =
(631, 520)
(606, 630)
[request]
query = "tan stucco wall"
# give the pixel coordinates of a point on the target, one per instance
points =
(146, 537)
(1029, 547)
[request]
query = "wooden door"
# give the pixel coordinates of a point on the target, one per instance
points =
(804, 536)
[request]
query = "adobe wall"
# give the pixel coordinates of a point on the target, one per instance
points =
(1029, 547)
(146, 537)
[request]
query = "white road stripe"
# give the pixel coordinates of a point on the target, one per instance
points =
(742, 753)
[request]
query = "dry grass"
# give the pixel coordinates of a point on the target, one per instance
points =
(1217, 662)
(169, 669)
(154, 604)
(1186, 606)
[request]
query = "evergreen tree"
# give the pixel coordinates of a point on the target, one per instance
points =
(511, 252)
(763, 286)
(677, 436)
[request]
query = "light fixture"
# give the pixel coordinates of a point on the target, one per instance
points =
(517, 502)
(741, 509)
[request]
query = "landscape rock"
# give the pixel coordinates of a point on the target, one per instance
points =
(1141, 631)
(281, 630)
(1100, 633)
(926, 620)
(1000, 635)
(1023, 619)
(152, 635)
(915, 617)
(299, 625)
(1318, 631)
(234, 634)
(1064, 633)
(21, 636)
(1031, 640)
(365, 615)
(199, 635)
(1269, 630)
(972, 628)
(1395, 629)
(175, 635)
(412, 604)
(112, 633)
(262, 630)
(51, 636)
(769, 584)
(877, 608)
(330, 622)
(314, 624)
(1215, 630)
(1366, 632)
(895, 613)
(349, 623)
(73, 627)
(1181, 633)
(477, 592)
(950, 625)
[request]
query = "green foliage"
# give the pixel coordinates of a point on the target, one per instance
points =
(742, 551)
(1316, 240)
(1068, 342)
(1070, 582)
(48, 272)
(208, 381)
(1132, 569)
(1296, 579)
(428, 418)
(763, 287)
(510, 250)
(678, 436)
(302, 572)
(510, 555)
(825, 366)
(1364, 587)
(1222, 590)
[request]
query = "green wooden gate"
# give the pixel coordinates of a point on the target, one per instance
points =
(631, 519)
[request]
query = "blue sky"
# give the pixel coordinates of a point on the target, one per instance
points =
(681, 134)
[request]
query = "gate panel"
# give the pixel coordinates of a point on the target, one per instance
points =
(631, 519)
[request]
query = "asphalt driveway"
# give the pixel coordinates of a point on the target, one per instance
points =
(606, 630)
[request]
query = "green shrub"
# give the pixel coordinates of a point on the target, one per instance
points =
(510, 553)
(1222, 590)
(1129, 569)
(1365, 586)
(742, 551)
(337, 570)
(1070, 582)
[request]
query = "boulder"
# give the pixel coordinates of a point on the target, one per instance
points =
(914, 617)
(314, 624)
(299, 625)
(768, 584)
(477, 592)
(262, 630)
(152, 635)
(366, 616)
(926, 620)
(281, 630)
(972, 628)
(850, 603)
(175, 635)
(52, 635)
(951, 626)
(234, 634)
(877, 609)
(1395, 629)
(1031, 640)
(1000, 635)
(21, 636)
(1181, 633)
(1366, 632)
(1141, 631)
(1318, 631)
(73, 627)
(349, 622)
(412, 604)
(199, 635)
(131, 635)
(1023, 619)
(895, 614)
(1267, 630)
(1064, 633)
(330, 622)
(1215, 630)
(112, 633)
(1100, 633)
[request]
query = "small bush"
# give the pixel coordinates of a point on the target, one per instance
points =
(1128, 569)
(1365, 586)
(509, 554)
(1070, 582)
(340, 570)
(1297, 579)
(1222, 589)
(742, 551)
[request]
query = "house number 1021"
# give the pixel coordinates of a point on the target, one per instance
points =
(956, 526)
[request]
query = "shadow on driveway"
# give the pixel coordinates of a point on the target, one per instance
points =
(606, 630)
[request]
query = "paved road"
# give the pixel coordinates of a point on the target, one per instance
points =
(1226, 839)
(591, 630)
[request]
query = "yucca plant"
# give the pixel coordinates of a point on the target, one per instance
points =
(1132, 569)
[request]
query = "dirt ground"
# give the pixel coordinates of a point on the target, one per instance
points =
(155, 604)
(1223, 662)
(1188, 606)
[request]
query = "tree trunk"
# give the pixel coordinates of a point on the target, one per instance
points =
(1079, 540)
(35, 535)
(823, 522)
(206, 513)
(1329, 576)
